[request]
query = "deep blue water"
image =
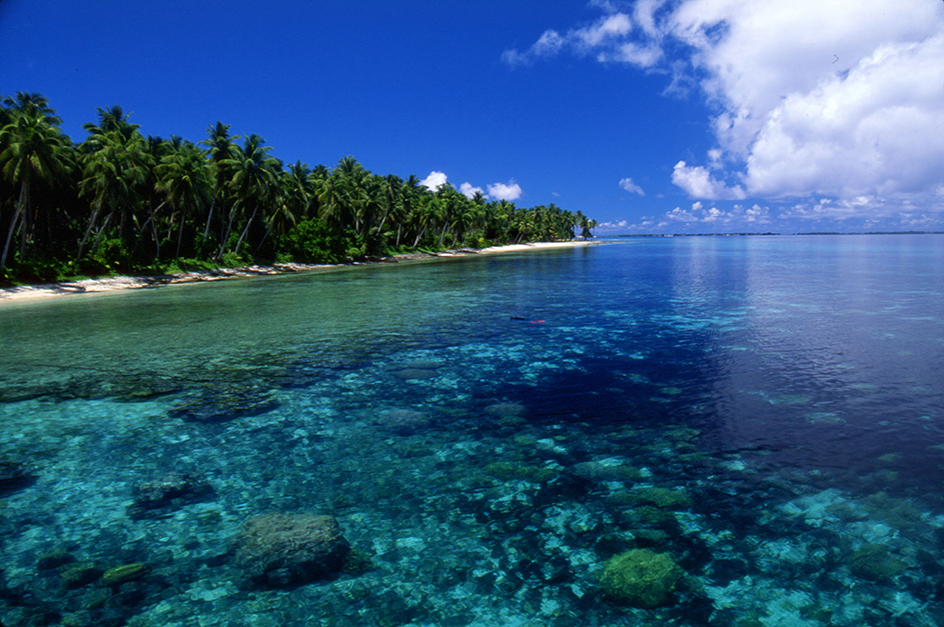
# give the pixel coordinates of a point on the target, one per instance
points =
(483, 428)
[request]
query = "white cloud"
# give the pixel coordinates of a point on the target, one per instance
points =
(549, 43)
(501, 191)
(681, 215)
(822, 96)
(714, 158)
(698, 182)
(812, 98)
(497, 191)
(434, 181)
(631, 187)
(610, 26)
(699, 219)
(613, 226)
(607, 39)
(868, 132)
(634, 54)
(469, 191)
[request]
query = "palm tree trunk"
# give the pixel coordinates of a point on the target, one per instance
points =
(442, 236)
(152, 222)
(88, 231)
(419, 237)
(206, 230)
(381, 225)
(24, 198)
(101, 231)
(229, 227)
(180, 235)
(246, 230)
(266, 236)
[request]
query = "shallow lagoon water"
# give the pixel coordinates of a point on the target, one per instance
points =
(488, 431)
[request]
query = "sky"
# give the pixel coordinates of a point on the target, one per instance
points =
(650, 116)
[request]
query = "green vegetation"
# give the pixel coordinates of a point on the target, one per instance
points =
(121, 202)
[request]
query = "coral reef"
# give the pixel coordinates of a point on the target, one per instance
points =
(660, 497)
(512, 471)
(875, 562)
(640, 577)
(279, 550)
(14, 475)
(124, 573)
(169, 492)
(224, 405)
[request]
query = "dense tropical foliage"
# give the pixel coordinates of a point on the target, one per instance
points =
(120, 201)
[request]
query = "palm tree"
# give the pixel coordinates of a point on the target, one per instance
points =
(114, 171)
(253, 183)
(33, 105)
(112, 119)
(33, 151)
(221, 147)
(184, 177)
(391, 200)
(292, 202)
(425, 214)
(410, 193)
(349, 202)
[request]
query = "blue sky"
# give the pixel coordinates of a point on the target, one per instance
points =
(651, 116)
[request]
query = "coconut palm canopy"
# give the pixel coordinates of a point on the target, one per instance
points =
(123, 201)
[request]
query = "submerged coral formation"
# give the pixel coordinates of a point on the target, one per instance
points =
(876, 562)
(124, 573)
(167, 493)
(640, 577)
(280, 550)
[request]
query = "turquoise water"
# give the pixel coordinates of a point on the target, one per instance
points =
(488, 432)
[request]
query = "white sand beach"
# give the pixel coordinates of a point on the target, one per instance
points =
(109, 284)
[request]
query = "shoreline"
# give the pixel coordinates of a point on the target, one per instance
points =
(110, 284)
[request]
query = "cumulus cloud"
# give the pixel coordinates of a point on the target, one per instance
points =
(501, 191)
(607, 39)
(496, 191)
(434, 181)
(469, 191)
(865, 132)
(698, 182)
(614, 226)
(810, 98)
(700, 218)
(631, 187)
(822, 97)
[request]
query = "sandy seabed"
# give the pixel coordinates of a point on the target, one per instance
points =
(91, 286)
